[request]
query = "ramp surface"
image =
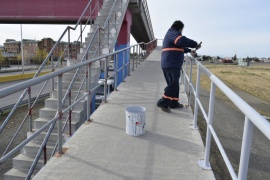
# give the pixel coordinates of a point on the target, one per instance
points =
(169, 149)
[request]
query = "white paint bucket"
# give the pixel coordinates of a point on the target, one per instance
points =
(135, 120)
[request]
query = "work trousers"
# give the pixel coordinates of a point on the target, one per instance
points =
(171, 91)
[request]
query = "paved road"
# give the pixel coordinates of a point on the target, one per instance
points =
(12, 99)
(228, 123)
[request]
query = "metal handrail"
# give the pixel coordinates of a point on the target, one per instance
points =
(70, 108)
(46, 78)
(39, 94)
(23, 85)
(148, 17)
(252, 117)
(42, 66)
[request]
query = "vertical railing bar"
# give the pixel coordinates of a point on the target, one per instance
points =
(185, 79)
(190, 82)
(196, 98)
(106, 79)
(123, 66)
(69, 45)
(45, 154)
(137, 57)
(52, 71)
(70, 113)
(116, 72)
(128, 60)
(205, 163)
(81, 33)
(245, 150)
(133, 58)
(88, 82)
(30, 109)
(60, 114)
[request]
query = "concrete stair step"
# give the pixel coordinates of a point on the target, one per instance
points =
(31, 149)
(48, 113)
(18, 174)
(53, 138)
(39, 122)
(54, 94)
(52, 104)
(24, 162)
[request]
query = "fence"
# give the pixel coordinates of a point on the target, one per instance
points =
(252, 117)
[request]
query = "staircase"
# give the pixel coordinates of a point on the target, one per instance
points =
(102, 44)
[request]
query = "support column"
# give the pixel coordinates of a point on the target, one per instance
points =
(123, 41)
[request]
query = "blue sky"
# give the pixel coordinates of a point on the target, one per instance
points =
(224, 27)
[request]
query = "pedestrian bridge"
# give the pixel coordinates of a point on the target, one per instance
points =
(72, 140)
(101, 149)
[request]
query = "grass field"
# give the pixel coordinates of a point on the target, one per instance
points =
(254, 80)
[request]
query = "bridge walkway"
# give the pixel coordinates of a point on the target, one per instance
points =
(169, 149)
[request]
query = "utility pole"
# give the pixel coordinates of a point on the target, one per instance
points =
(22, 50)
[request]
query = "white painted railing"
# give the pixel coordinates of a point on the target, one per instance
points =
(252, 117)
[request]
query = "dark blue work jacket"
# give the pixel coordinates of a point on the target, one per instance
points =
(173, 49)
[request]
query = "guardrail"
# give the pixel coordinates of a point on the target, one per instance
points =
(144, 2)
(89, 61)
(58, 117)
(252, 117)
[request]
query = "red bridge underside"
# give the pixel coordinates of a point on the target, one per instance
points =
(44, 11)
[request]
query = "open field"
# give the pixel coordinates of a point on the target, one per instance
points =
(252, 85)
(254, 80)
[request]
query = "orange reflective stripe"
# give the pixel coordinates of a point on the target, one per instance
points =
(167, 97)
(175, 41)
(173, 49)
(170, 98)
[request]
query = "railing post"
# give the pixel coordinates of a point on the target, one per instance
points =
(133, 58)
(245, 150)
(123, 66)
(205, 163)
(106, 78)
(190, 82)
(69, 45)
(30, 110)
(59, 106)
(128, 61)
(196, 98)
(116, 72)
(52, 71)
(137, 52)
(70, 113)
(140, 53)
(81, 33)
(88, 90)
(185, 78)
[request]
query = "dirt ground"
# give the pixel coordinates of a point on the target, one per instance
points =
(10, 130)
(217, 163)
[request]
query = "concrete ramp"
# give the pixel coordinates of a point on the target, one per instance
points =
(169, 149)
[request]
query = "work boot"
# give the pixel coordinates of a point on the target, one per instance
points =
(176, 106)
(167, 110)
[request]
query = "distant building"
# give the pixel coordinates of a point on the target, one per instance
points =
(30, 48)
(75, 49)
(59, 50)
(46, 43)
(12, 46)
